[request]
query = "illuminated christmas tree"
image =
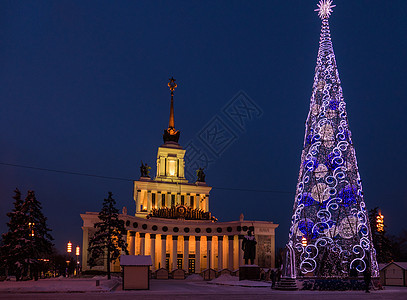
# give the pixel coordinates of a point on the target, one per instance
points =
(330, 232)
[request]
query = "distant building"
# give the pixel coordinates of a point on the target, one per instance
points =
(173, 222)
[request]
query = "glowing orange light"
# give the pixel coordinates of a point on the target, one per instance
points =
(31, 226)
(69, 247)
(77, 250)
(380, 222)
(304, 241)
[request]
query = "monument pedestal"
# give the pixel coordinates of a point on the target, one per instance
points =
(249, 272)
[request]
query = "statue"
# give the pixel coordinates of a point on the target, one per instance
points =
(200, 174)
(249, 248)
(145, 170)
(124, 210)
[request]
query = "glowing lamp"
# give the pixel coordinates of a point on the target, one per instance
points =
(304, 241)
(171, 167)
(380, 222)
(69, 247)
(77, 250)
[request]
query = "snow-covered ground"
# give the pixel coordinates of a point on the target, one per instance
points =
(194, 287)
(60, 284)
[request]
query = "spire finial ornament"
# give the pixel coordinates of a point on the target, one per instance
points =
(325, 9)
(170, 134)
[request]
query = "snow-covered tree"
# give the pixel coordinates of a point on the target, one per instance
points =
(108, 239)
(39, 239)
(12, 250)
(28, 236)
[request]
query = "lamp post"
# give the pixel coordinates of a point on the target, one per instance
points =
(68, 250)
(77, 252)
(380, 222)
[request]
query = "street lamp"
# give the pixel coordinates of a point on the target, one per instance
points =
(380, 222)
(69, 247)
(77, 252)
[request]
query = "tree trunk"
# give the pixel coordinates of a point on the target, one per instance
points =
(108, 263)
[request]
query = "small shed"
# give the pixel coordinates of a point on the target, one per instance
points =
(394, 273)
(161, 273)
(178, 274)
(136, 270)
(208, 274)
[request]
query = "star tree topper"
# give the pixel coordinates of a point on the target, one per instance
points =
(324, 8)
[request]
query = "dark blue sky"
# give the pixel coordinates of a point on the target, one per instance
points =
(83, 89)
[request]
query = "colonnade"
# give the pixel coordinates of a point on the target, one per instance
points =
(191, 253)
(146, 200)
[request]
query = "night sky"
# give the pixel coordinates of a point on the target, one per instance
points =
(83, 88)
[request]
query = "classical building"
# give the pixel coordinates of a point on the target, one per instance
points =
(173, 222)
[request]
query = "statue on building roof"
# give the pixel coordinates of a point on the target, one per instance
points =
(144, 170)
(200, 175)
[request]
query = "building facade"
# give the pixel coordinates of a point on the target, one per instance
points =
(173, 222)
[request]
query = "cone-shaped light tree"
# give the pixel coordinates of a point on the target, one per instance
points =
(330, 232)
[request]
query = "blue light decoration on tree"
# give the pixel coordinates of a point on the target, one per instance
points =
(330, 232)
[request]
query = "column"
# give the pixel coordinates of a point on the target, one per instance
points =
(152, 248)
(188, 200)
(142, 243)
(163, 250)
(207, 203)
(178, 199)
(220, 252)
(85, 248)
(230, 264)
(197, 201)
(186, 253)
(197, 254)
(138, 200)
(148, 201)
(168, 199)
(209, 262)
(240, 250)
(132, 242)
(174, 251)
(158, 200)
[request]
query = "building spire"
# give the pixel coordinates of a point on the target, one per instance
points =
(172, 85)
(170, 134)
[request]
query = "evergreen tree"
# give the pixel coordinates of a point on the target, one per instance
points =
(28, 237)
(12, 250)
(108, 238)
(382, 243)
(39, 239)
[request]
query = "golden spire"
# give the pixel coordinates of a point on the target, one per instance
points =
(172, 85)
(170, 134)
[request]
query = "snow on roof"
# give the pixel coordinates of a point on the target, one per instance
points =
(402, 265)
(135, 260)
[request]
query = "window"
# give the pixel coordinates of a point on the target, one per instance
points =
(191, 265)
(179, 263)
(172, 200)
(153, 200)
(192, 201)
(182, 200)
(162, 200)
